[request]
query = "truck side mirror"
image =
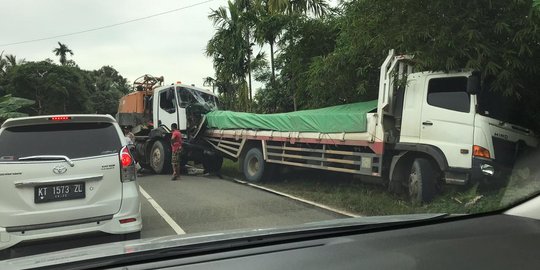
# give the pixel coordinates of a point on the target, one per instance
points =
(473, 83)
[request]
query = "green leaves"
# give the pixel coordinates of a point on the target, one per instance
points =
(62, 51)
(334, 59)
(10, 105)
(499, 38)
(58, 89)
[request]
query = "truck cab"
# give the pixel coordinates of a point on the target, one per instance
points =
(443, 118)
(172, 104)
(149, 112)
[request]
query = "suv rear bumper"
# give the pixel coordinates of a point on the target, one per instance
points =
(130, 208)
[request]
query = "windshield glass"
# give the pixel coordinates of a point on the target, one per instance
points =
(249, 115)
(72, 140)
(189, 96)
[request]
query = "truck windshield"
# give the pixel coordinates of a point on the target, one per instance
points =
(189, 96)
(495, 104)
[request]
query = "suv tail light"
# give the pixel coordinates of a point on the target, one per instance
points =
(60, 118)
(127, 166)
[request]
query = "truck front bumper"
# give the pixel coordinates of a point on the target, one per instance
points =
(481, 170)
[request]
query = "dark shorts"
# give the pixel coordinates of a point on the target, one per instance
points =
(176, 157)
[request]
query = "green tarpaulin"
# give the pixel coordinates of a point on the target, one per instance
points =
(342, 118)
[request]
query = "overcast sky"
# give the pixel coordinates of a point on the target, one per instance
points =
(171, 45)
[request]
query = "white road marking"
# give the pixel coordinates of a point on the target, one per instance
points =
(162, 212)
(345, 213)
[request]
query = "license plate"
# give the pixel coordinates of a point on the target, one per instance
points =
(52, 193)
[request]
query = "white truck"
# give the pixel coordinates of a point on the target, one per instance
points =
(428, 129)
(150, 110)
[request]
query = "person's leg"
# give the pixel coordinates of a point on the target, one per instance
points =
(177, 166)
(174, 163)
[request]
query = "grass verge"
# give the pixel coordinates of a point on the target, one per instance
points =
(350, 194)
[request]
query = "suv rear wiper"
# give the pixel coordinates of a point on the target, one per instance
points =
(49, 157)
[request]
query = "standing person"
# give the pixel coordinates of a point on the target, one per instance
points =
(130, 138)
(176, 146)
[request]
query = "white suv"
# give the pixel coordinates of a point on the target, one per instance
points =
(66, 175)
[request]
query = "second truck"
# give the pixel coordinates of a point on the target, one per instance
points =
(425, 129)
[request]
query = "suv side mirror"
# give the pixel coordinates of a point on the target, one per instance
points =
(473, 83)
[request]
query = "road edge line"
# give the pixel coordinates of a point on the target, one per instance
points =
(345, 213)
(177, 229)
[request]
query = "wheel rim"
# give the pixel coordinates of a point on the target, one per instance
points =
(414, 182)
(253, 166)
(156, 157)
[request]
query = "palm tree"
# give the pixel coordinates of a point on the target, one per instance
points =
(3, 64)
(209, 81)
(267, 30)
(62, 51)
(229, 47)
(237, 21)
(315, 7)
(272, 28)
(12, 60)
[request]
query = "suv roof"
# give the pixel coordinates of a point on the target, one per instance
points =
(45, 119)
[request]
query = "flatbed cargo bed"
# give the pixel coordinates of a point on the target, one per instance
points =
(348, 118)
(369, 138)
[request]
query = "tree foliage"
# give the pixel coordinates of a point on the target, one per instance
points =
(238, 26)
(58, 89)
(62, 52)
(55, 89)
(230, 50)
(335, 58)
(498, 38)
(10, 106)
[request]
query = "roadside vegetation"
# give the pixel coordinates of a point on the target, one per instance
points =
(349, 193)
(46, 87)
(322, 56)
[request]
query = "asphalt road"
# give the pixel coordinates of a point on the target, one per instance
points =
(207, 204)
(196, 204)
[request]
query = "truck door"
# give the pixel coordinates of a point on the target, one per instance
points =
(447, 119)
(167, 111)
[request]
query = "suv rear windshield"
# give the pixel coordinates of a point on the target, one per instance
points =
(74, 140)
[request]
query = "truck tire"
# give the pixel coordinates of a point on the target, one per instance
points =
(160, 158)
(254, 167)
(422, 181)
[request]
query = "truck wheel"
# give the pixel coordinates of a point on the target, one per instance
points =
(422, 181)
(160, 158)
(254, 166)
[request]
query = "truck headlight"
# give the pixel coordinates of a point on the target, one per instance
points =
(487, 169)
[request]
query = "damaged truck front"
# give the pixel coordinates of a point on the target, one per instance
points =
(150, 109)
